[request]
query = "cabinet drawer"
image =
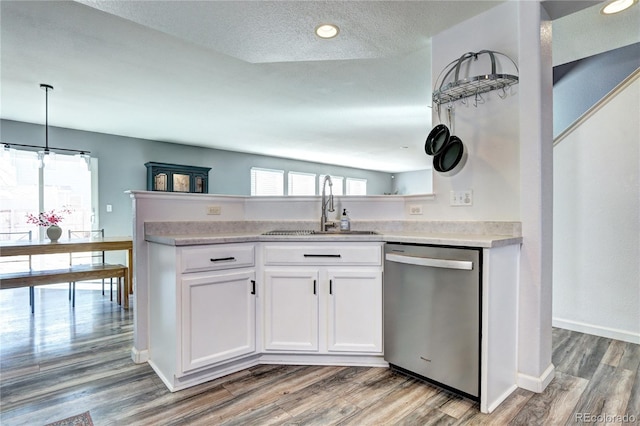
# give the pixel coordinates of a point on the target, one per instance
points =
(216, 257)
(330, 254)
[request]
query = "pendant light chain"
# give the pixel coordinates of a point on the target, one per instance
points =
(46, 88)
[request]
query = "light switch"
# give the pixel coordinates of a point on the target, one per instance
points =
(109, 208)
(461, 198)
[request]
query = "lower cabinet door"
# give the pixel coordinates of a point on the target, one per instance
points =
(354, 311)
(218, 318)
(291, 310)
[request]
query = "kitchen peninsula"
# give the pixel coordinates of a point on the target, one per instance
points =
(192, 264)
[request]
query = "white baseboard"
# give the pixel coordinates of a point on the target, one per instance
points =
(537, 384)
(184, 381)
(139, 357)
(487, 407)
(166, 381)
(596, 330)
(313, 359)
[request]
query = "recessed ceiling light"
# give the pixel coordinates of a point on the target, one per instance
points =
(616, 6)
(327, 30)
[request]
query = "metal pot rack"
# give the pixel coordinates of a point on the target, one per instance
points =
(460, 89)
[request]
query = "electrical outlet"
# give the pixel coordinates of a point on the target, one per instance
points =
(461, 198)
(214, 210)
(415, 209)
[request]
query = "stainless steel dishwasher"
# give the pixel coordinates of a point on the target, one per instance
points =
(432, 314)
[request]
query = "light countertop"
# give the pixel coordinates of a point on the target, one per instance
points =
(450, 239)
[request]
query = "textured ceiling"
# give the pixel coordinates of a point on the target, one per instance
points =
(282, 31)
(587, 33)
(237, 75)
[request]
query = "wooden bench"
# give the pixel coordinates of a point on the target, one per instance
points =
(70, 275)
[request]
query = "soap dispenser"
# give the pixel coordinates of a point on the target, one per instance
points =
(345, 224)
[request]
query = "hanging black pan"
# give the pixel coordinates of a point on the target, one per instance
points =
(437, 139)
(439, 136)
(452, 158)
(448, 151)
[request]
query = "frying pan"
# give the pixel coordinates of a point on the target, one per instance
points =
(448, 150)
(451, 158)
(439, 136)
(437, 139)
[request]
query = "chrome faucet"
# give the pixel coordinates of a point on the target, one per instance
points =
(324, 224)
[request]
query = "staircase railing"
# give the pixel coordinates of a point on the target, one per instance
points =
(597, 106)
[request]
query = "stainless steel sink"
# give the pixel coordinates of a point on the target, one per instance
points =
(290, 232)
(298, 232)
(345, 233)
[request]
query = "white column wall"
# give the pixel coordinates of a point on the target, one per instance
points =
(535, 369)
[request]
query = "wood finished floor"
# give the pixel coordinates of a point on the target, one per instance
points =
(62, 362)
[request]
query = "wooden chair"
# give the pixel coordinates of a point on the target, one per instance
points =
(87, 258)
(18, 263)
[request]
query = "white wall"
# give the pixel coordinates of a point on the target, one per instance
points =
(490, 131)
(597, 222)
(536, 203)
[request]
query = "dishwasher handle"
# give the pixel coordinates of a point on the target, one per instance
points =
(466, 265)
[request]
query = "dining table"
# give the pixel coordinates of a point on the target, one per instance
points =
(74, 245)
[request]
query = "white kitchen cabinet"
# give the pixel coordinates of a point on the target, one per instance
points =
(291, 310)
(323, 298)
(217, 317)
(354, 310)
(202, 311)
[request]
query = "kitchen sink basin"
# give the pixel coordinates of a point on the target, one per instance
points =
(290, 232)
(345, 233)
(298, 232)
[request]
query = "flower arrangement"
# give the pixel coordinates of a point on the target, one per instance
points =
(48, 218)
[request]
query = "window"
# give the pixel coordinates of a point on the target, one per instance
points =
(64, 182)
(356, 186)
(19, 196)
(301, 183)
(267, 182)
(271, 182)
(337, 187)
